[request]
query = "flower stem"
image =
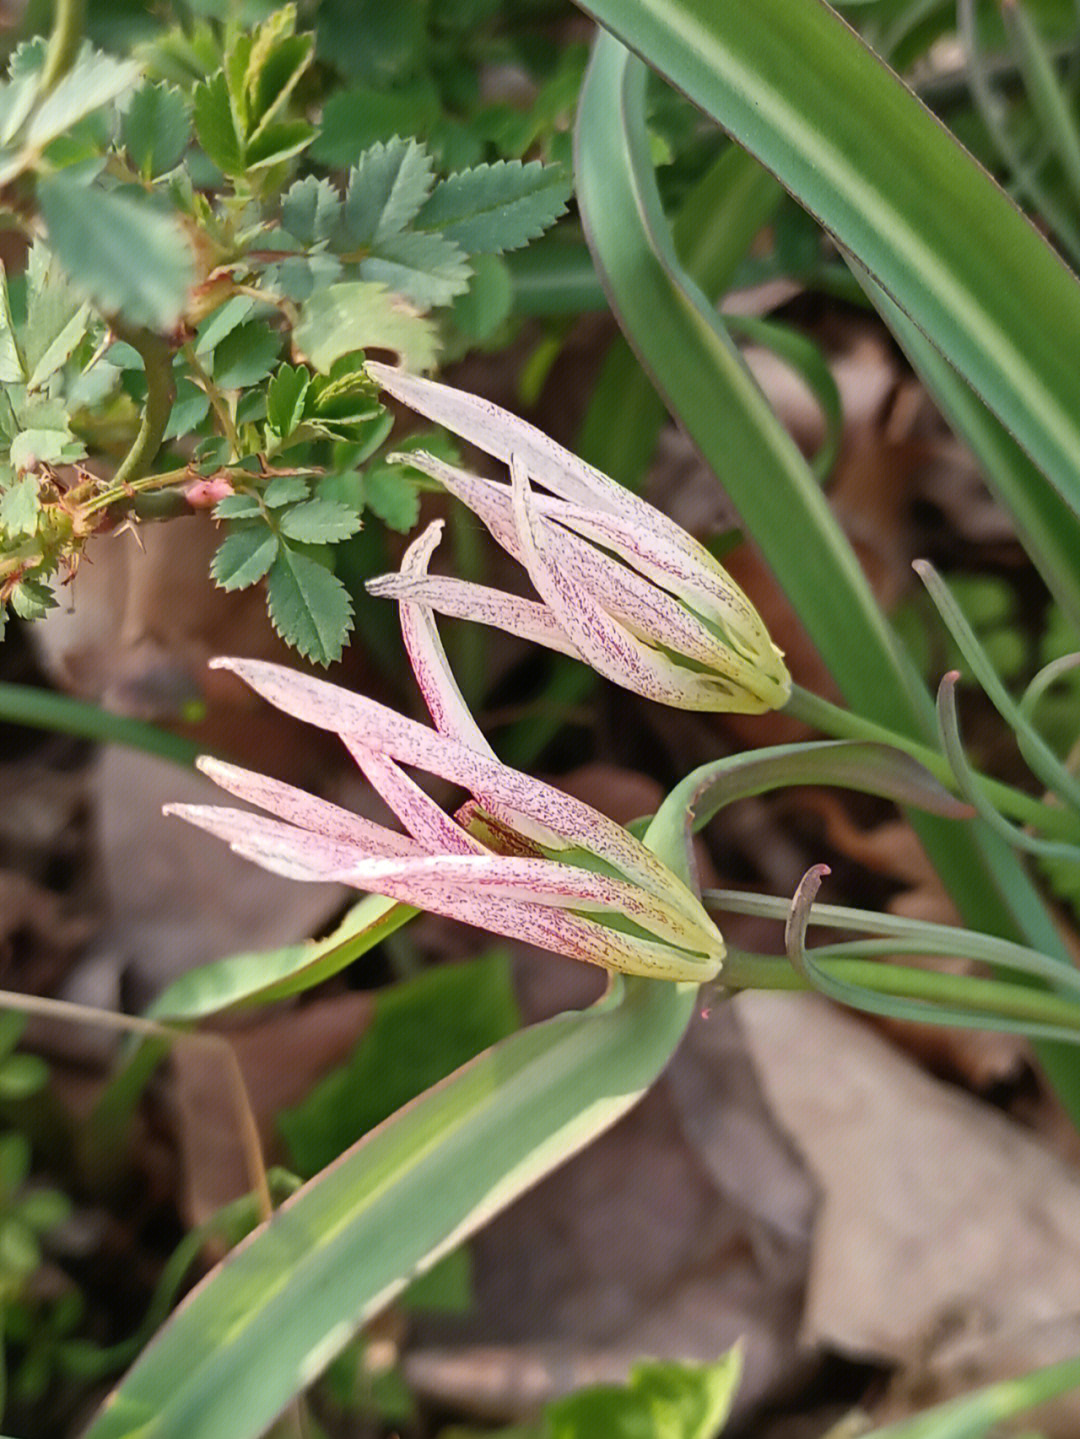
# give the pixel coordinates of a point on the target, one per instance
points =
(839, 723)
(985, 999)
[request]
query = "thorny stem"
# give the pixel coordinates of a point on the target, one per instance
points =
(64, 42)
(160, 393)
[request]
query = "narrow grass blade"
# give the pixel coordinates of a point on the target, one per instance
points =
(677, 335)
(856, 147)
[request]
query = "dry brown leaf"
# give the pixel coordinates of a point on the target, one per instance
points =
(177, 898)
(282, 1055)
(948, 1238)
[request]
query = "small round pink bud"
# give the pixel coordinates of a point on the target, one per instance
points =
(204, 494)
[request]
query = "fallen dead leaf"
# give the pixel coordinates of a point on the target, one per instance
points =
(282, 1056)
(948, 1238)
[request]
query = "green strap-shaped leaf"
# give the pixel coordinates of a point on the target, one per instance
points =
(279, 1308)
(681, 342)
(800, 90)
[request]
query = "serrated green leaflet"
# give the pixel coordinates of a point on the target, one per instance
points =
(357, 315)
(19, 507)
(277, 143)
(386, 189)
(428, 269)
(246, 355)
(319, 522)
(309, 606)
(388, 494)
(244, 557)
(92, 81)
(96, 233)
(215, 127)
(155, 129)
(497, 207)
(284, 490)
(285, 396)
(311, 211)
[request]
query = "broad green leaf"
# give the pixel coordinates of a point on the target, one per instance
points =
(284, 490)
(496, 207)
(125, 257)
(320, 522)
(400, 1054)
(285, 396)
(429, 269)
(19, 507)
(215, 127)
(311, 210)
(244, 557)
(155, 129)
(278, 1309)
(388, 494)
(246, 355)
(92, 81)
(262, 978)
(309, 607)
(873, 165)
(359, 314)
(386, 190)
(677, 1401)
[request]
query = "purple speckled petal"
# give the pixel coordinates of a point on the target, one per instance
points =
(630, 597)
(463, 600)
(566, 886)
(495, 785)
(609, 646)
(470, 892)
(424, 883)
(445, 702)
(297, 807)
(294, 853)
(430, 826)
(498, 432)
(602, 510)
